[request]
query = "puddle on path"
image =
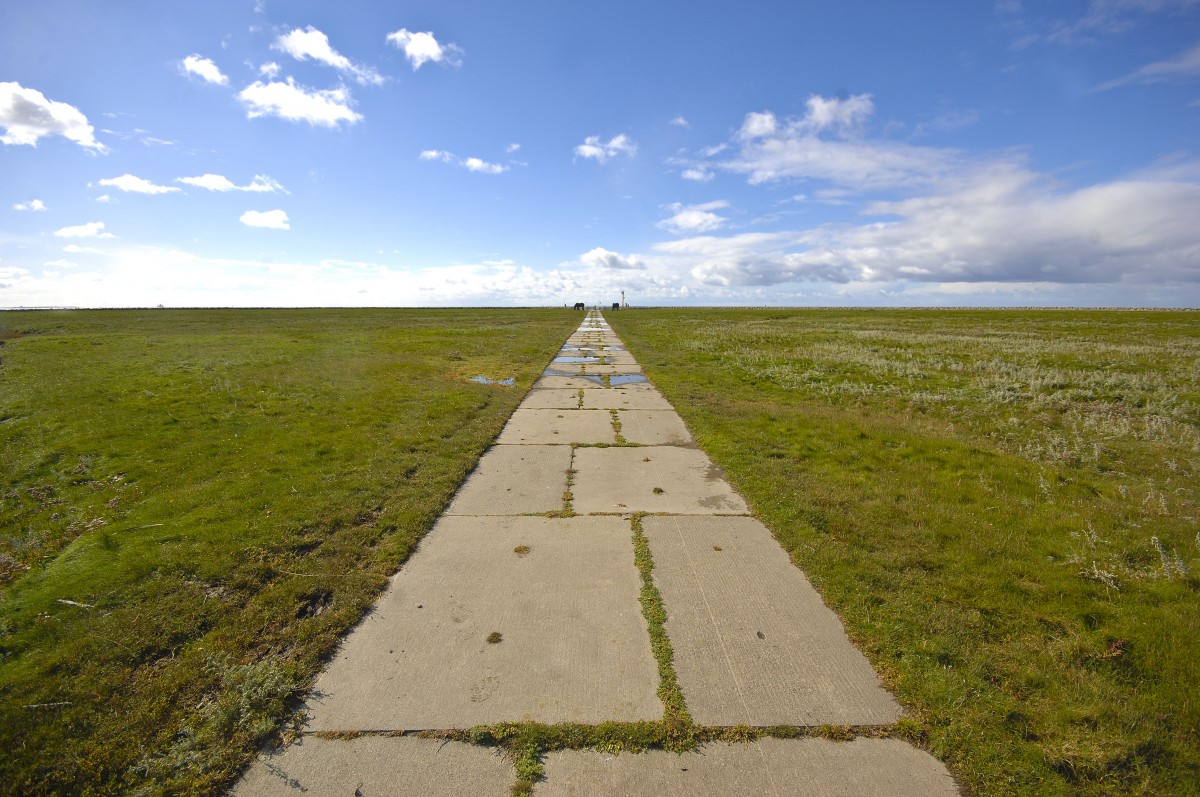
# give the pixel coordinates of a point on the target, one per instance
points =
(576, 359)
(483, 380)
(626, 379)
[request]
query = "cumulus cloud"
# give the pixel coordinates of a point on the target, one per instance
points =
(421, 48)
(294, 103)
(592, 147)
(478, 165)
(269, 219)
(1183, 66)
(93, 229)
(137, 185)
(204, 69)
(33, 204)
(27, 115)
(269, 70)
(312, 43)
(680, 121)
(217, 182)
(697, 174)
(104, 199)
(512, 148)
(604, 259)
(689, 219)
(437, 155)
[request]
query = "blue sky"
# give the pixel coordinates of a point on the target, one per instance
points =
(546, 152)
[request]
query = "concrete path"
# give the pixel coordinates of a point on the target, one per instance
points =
(522, 605)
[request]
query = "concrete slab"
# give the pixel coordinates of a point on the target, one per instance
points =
(754, 643)
(624, 479)
(552, 399)
(630, 397)
(574, 646)
(776, 767)
(515, 480)
(557, 427)
(375, 765)
(654, 427)
(557, 382)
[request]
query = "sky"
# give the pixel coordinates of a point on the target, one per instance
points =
(926, 153)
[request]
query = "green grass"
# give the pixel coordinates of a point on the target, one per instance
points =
(194, 505)
(1001, 505)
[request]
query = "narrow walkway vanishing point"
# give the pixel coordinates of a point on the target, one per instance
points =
(522, 605)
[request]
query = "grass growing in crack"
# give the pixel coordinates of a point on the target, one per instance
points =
(616, 425)
(194, 505)
(568, 497)
(1001, 505)
(679, 728)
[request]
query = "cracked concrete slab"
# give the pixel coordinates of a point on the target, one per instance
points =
(573, 645)
(630, 397)
(515, 480)
(624, 480)
(776, 767)
(557, 427)
(654, 427)
(754, 643)
(378, 765)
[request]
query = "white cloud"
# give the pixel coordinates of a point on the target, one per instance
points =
(420, 48)
(1181, 67)
(104, 199)
(690, 219)
(312, 43)
(269, 70)
(204, 69)
(269, 219)
(757, 125)
(592, 147)
(93, 229)
(477, 165)
(27, 115)
(137, 185)
(801, 149)
(604, 259)
(60, 263)
(680, 121)
(33, 204)
(511, 148)
(295, 103)
(1136, 231)
(482, 166)
(699, 174)
(76, 249)
(217, 182)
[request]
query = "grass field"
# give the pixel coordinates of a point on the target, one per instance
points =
(195, 504)
(1001, 505)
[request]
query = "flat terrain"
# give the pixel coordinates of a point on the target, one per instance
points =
(194, 505)
(1000, 505)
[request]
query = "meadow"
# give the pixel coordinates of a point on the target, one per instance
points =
(195, 505)
(1001, 505)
